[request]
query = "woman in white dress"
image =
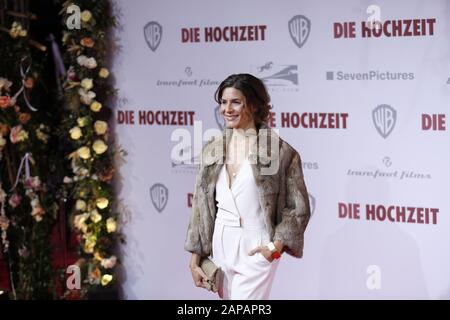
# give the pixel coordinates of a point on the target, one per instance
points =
(256, 218)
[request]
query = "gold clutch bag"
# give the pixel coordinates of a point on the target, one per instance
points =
(212, 273)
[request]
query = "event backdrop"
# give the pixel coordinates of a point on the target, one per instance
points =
(366, 109)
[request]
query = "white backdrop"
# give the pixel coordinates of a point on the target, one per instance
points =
(382, 155)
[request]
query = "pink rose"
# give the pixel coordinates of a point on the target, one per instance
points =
(15, 200)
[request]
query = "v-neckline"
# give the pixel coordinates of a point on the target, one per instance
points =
(229, 184)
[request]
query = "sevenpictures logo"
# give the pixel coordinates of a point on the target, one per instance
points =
(371, 75)
(277, 77)
(187, 80)
(386, 172)
(159, 194)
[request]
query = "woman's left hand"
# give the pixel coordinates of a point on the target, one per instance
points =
(264, 250)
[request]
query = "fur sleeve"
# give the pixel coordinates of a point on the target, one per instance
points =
(193, 241)
(296, 212)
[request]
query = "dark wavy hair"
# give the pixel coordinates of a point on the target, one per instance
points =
(254, 91)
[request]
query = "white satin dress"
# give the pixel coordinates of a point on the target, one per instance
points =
(239, 228)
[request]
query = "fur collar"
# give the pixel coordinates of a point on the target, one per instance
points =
(215, 150)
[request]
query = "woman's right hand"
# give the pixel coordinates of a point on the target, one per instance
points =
(197, 273)
(198, 276)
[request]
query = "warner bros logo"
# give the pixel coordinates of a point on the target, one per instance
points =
(384, 118)
(153, 34)
(159, 195)
(299, 29)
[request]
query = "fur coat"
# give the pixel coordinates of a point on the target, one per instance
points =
(283, 196)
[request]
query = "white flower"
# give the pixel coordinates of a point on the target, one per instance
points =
(81, 60)
(106, 278)
(80, 205)
(17, 30)
(84, 153)
(82, 173)
(91, 241)
(82, 121)
(91, 63)
(5, 84)
(111, 225)
(75, 133)
(96, 106)
(95, 216)
(35, 202)
(86, 96)
(86, 15)
(87, 84)
(67, 180)
(80, 220)
(102, 203)
(100, 127)
(37, 212)
(103, 73)
(99, 146)
(109, 263)
(17, 134)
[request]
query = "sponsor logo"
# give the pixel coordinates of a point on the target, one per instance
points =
(387, 162)
(185, 140)
(384, 118)
(299, 29)
(188, 162)
(277, 77)
(389, 173)
(159, 194)
(372, 75)
(188, 71)
(186, 153)
(153, 34)
(187, 81)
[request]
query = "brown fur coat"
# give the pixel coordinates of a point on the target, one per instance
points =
(277, 170)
